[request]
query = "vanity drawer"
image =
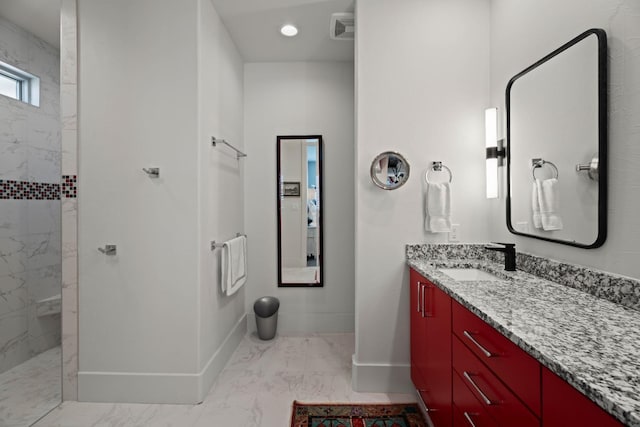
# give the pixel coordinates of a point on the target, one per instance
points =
(519, 371)
(503, 406)
(467, 410)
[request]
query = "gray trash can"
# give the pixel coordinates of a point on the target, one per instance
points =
(266, 309)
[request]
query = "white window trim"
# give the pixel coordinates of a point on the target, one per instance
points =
(28, 84)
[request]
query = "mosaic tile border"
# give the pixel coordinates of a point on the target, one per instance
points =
(19, 190)
(615, 288)
(69, 186)
(25, 190)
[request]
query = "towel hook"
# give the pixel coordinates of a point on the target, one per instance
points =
(437, 167)
(152, 172)
(593, 168)
(538, 163)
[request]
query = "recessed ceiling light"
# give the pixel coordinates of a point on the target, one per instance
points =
(288, 30)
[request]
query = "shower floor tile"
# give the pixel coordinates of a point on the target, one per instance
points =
(256, 388)
(30, 389)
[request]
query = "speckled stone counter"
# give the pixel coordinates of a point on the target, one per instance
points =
(591, 342)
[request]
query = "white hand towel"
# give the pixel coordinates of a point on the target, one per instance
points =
(438, 208)
(549, 198)
(234, 265)
(535, 205)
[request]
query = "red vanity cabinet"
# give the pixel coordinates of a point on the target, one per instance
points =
(519, 371)
(469, 374)
(501, 403)
(431, 348)
(418, 333)
(563, 405)
(467, 409)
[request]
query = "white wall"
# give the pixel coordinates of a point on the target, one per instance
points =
(156, 80)
(30, 263)
(314, 98)
(222, 320)
(422, 70)
(524, 31)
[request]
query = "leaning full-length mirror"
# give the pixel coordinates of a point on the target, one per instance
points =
(299, 195)
(557, 145)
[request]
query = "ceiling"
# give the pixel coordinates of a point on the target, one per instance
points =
(254, 26)
(39, 17)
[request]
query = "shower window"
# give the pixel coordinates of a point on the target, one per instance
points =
(19, 85)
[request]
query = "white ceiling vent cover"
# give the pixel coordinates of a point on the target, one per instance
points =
(342, 26)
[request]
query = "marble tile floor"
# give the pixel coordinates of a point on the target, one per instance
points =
(31, 389)
(256, 388)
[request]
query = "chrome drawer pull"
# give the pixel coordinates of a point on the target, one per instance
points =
(484, 396)
(467, 415)
(484, 350)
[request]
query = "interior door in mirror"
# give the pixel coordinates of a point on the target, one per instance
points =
(299, 195)
(556, 127)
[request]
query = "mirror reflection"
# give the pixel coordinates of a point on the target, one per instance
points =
(389, 170)
(299, 210)
(556, 130)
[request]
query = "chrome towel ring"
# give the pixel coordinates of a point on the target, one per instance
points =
(538, 163)
(437, 167)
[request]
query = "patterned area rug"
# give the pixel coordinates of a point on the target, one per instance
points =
(354, 415)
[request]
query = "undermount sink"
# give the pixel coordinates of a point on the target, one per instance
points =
(468, 274)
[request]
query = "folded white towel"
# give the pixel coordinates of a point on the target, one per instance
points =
(438, 208)
(549, 198)
(535, 205)
(234, 265)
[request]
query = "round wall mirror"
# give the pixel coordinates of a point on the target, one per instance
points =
(389, 170)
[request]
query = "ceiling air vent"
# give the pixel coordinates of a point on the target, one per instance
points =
(342, 26)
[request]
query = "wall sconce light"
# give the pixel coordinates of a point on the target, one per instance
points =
(495, 151)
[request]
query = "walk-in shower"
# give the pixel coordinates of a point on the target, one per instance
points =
(30, 225)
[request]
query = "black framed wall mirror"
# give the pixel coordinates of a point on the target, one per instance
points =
(557, 145)
(300, 219)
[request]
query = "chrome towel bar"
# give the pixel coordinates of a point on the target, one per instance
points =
(215, 245)
(215, 141)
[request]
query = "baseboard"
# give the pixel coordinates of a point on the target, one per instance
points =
(380, 378)
(295, 323)
(220, 358)
(127, 387)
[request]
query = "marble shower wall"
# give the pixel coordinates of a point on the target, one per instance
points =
(30, 230)
(69, 108)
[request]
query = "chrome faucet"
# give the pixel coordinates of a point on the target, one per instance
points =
(509, 250)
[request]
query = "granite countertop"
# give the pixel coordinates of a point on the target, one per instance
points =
(592, 343)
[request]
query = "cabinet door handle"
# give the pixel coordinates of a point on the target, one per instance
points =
(468, 415)
(473, 340)
(419, 289)
(430, 312)
(424, 287)
(475, 386)
(422, 303)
